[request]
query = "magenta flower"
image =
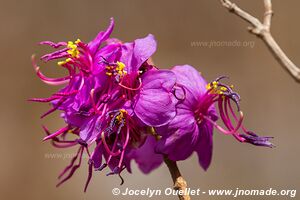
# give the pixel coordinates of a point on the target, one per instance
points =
(112, 97)
(126, 114)
(192, 128)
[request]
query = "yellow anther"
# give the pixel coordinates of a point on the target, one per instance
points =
(223, 89)
(212, 85)
(77, 41)
(231, 86)
(116, 70)
(208, 86)
(215, 84)
(60, 63)
(120, 65)
(121, 115)
(73, 50)
(120, 68)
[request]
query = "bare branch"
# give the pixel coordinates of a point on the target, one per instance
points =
(262, 30)
(179, 182)
(241, 13)
(268, 14)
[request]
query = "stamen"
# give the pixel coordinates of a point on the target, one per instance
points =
(107, 148)
(73, 51)
(56, 142)
(227, 132)
(50, 81)
(101, 167)
(82, 142)
(129, 88)
(73, 169)
(55, 55)
(225, 95)
(71, 163)
(254, 139)
(60, 131)
(61, 63)
(66, 93)
(90, 174)
(52, 44)
(93, 101)
(44, 100)
(116, 170)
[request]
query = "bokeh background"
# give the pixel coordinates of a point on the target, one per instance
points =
(270, 97)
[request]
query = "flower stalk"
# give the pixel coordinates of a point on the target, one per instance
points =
(178, 180)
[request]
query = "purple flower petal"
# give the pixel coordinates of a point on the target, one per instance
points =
(101, 37)
(204, 147)
(179, 145)
(127, 54)
(143, 49)
(97, 157)
(145, 157)
(192, 81)
(155, 105)
(136, 53)
(91, 129)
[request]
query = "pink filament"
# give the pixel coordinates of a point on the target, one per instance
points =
(129, 88)
(50, 81)
(74, 168)
(62, 130)
(107, 148)
(44, 100)
(124, 147)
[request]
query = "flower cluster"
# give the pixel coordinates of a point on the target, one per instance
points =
(119, 107)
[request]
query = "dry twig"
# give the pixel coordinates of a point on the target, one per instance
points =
(262, 30)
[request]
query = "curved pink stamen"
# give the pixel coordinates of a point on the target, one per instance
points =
(129, 88)
(53, 44)
(60, 131)
(227, 132)
(127, 136)
(66, 93)
(54, 108)
(74, 168)
(96, 149)
(50, 81)
(43, 100)
(71, 163)
(57, 145)
(235, 117)
(113, 148)
(93, 101)
(124, 147)
(107, 148)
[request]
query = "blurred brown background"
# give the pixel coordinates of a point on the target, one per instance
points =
(270, 97)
